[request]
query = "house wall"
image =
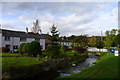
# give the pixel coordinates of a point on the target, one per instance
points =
(4, 43)
(66, 43)
(42, 42)
(30, 39)
(16, 41)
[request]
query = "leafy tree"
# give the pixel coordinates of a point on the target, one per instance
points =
(107, 33)
(117, 40)
(99, 44)
(82, 39)
(32, 48)
(113, 31)
(36, 27)
(71, 38)
(20, 49)
(35, 48)
(93, 41)
(75, 44)
(108, 42)
(26, 48)
(63, 49)
(53, 47)
(111, 38)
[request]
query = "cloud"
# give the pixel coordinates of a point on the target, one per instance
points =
(70, 17)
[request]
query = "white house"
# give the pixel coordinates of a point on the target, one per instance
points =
(65, 42)
(13, 39)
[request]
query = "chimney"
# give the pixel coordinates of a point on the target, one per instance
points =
(26, 29)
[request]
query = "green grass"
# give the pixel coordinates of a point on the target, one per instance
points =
(72, 52)
(9, 55)
(106, 67)
(9, 61)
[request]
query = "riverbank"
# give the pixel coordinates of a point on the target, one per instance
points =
(105, 67)
(78, 68)
(38, 70)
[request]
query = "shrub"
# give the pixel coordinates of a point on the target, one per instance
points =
(5, 49)
(34, 48)
(20, 49)
(53, 50)
(26, 48)
(80, 50)
(63, 49)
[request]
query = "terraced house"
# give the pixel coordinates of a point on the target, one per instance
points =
(13, 39)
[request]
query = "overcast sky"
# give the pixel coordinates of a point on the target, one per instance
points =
(71, 18)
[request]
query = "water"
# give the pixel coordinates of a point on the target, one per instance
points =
(76, 69)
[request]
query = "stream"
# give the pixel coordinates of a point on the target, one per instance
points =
(76, 69)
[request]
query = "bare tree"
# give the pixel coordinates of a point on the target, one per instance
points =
(36, 27)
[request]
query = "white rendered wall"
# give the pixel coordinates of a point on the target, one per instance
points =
(16, 41)
(30, 39)
(42, 42)
(6, 42)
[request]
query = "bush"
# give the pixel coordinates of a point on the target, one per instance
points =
(80, 50)
(20, 49)
(63, 49)
(5, 49)
(26, 48)
(53, 50)
(34, 48)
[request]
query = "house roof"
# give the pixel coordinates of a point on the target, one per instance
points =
(11, 33)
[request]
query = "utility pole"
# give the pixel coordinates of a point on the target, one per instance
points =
(101, 37)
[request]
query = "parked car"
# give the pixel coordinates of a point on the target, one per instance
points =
(113, 50)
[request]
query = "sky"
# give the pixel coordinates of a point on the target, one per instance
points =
(71, 18)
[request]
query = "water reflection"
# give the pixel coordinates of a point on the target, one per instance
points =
(76, 69)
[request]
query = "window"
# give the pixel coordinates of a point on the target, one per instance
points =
(15, 47)
(68, 43)
(7, 38)
(41, 46)
(37, 39)
(23, 39)
(7, 46)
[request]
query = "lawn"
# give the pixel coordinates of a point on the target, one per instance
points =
(106, 67)
(14, 60)
(9, 55)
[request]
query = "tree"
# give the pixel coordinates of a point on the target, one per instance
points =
(32, 48)
(36, 27)
(107, 33)
(82, 39)
(111, 38)
(113, 31)
(53, 47)
(26, 48)
(108, 42)
(20, 49)
(92, 41)
(35, 48)
(117, 40)
(75, 44)
(63, 49)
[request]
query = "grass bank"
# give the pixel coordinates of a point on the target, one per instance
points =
(106, 67)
